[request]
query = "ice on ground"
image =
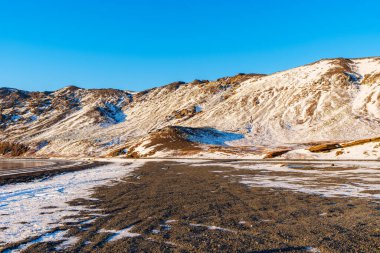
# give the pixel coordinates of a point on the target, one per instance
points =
(35, 208)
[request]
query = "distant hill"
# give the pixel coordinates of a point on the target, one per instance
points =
(329, 100)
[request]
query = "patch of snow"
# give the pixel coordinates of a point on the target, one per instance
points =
(23, 205)
(367, 66)
(165, 227)
(350, 180)
(89, 221)
(58, 235)
(155, 231)
(113, 113)
(67, 243)
(210, 136)
(354, 77)
(33, 118)
(42, 144)
(141, 149)
(370, 150)
(119, 234)
(312, 249)
(15, 117)
(366, 104)
(115, 141)
(212, 227)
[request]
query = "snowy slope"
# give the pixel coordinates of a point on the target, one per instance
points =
(332, 99)
(316, 102)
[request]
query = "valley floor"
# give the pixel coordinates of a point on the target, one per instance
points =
(197, 206)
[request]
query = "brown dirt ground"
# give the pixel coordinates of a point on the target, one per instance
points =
(31, 176)
(254, 219)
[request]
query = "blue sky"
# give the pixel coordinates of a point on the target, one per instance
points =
(138, 44)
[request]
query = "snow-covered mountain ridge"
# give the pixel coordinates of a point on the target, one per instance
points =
(329, 100)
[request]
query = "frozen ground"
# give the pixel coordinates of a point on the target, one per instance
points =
(35, 208)
(329, 179)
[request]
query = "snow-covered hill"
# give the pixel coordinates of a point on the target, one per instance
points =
(329, 100)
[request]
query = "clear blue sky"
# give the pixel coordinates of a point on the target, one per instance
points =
(138, 44)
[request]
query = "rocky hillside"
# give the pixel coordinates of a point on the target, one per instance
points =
(329, 100)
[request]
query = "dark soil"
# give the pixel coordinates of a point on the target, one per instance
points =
(27, 177)
(245, 219)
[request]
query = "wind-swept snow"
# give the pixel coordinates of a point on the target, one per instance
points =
(35, 208)
(212, 227)
(58, 235)
(335, 179)
(119, 234)
(112, 113)
(367, 65)
(315, 102)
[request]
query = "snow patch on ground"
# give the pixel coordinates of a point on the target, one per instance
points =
(113, 113)
(212, 227)
(367, 151)
(56, 236)
(119, 234)
(35, 208)
(367, 66)
(329, 179)
(67, 243)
